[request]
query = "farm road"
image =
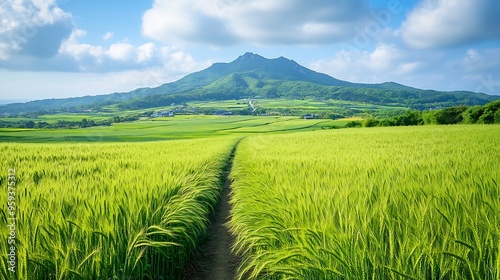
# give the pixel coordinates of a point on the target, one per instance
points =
(214, 259)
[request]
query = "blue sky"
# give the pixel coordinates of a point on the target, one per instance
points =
(64, 48)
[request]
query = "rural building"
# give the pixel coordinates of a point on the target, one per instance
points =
(163, 114)
(309, 116)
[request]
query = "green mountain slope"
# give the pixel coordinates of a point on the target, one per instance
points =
(253, 76)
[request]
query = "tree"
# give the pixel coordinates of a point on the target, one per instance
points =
(472, 114)
(29, 124)
(489, 110)
(452, 115)
(369, 122)
(334, 116)
(42, 125)
(353, 124)
(429, 117)
(497, 117)
(409, 118)
(84, 123)
(386, 122)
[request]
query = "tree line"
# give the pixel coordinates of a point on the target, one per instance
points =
(68, 124)
(486, 114)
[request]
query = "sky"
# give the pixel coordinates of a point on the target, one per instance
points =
(67, 48)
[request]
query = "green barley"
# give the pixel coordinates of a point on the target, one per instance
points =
(110, 211)
(383, 203)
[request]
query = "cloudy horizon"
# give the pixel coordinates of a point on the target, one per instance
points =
(67, 48)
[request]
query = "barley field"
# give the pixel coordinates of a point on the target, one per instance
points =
(378, 203)
(108, 211)
(381, 203)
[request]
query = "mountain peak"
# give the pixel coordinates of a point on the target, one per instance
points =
(254, 56)
(280, 68)
(250, 56)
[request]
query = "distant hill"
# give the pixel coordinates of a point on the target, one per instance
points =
(254, 76)
(9, 101)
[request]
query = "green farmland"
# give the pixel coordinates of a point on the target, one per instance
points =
(406, 203)
(305, 201)
(179, 127)
(297, 107)
(122, 211)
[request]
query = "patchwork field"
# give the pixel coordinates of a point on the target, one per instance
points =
(293, 105)
(179, 127)
(374, 203)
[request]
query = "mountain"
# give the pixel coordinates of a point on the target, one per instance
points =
(252, 65)
(252, 75)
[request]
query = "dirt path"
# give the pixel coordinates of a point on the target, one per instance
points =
(214, 259)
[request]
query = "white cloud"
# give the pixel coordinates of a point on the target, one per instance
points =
(146, 52)
(121, 52)
(124, 56)
(180, 62)
(384, 63)
(482, 68)
(448, 23)
(223, 22)
(482, 60)
(32, 27)
(107, 36)
(474, 70)
(79, 51)
(384, 58)
(37, 35)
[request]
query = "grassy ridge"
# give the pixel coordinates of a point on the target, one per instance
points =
(389, 203)
(110, 211)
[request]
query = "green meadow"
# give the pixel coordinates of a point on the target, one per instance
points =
(168, 128)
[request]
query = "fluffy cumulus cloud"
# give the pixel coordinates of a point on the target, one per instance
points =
(121, 52)
(472, 69)
(224, 22)
(384, 63)
(124, 56)
(32, 28)
(450, 23)
(146, 52)
(37, 35)
(85, 56)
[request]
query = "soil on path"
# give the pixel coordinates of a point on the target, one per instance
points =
(214, 259)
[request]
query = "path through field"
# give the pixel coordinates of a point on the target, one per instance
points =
(214, 259)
